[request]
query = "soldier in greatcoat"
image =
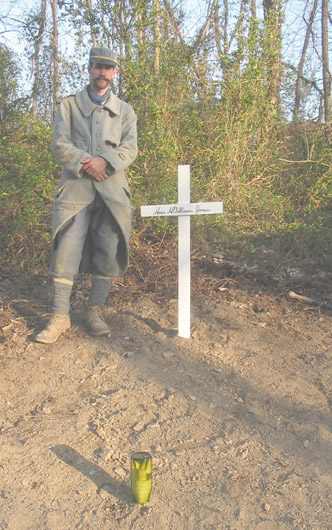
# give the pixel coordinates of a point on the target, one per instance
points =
(94, 140)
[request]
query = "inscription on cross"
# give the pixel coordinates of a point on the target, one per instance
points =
(184, 209)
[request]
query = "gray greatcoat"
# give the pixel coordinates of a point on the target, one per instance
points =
(83, 129)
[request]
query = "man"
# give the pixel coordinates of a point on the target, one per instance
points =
(94, 140)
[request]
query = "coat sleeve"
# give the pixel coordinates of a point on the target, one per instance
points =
(124, 154)
(67, 154)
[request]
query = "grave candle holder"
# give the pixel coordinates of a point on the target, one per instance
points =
(141, 476)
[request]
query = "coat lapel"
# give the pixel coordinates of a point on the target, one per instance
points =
(84, 103)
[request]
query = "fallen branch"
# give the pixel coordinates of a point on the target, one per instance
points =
(310, 301)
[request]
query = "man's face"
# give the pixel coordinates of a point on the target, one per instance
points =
(101, 76)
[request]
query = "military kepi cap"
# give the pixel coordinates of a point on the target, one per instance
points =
(103, 56)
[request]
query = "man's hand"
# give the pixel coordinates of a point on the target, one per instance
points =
(95, 167)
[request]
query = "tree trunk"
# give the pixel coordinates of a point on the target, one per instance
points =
(93, 33)
(326, 71)
(273, 23)
(55, 53)
(156, 32)
(36, 57)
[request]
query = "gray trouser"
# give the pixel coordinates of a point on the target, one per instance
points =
(96, 221)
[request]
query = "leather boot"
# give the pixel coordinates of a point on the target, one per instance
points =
(96, 323)
(58, 324)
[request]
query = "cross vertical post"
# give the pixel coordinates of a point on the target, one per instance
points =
(184, 254)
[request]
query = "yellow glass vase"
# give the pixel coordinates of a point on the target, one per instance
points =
(141, 476)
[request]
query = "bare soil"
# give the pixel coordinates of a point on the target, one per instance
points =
(237, 418)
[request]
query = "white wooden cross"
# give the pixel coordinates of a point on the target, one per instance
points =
(184, 209)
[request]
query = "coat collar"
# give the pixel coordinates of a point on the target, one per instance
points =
(87, 106)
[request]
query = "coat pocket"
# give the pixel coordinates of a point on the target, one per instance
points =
(82, 143)
(127, 192)
(114, 142)
(59, 191)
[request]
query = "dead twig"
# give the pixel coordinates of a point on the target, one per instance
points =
(310, 301)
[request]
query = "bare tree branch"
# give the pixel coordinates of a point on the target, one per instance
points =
(306, 80)
(302, 59)
(204, 29)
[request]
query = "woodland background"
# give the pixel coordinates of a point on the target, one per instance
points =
(243, 101)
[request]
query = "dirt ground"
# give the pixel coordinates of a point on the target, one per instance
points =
(237, 418)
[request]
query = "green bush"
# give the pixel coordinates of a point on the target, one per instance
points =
(27, 175)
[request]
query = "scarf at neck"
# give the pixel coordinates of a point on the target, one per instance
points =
(99, 100)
